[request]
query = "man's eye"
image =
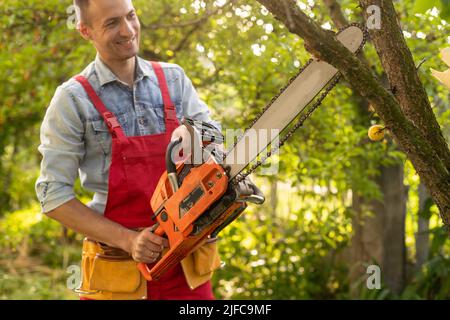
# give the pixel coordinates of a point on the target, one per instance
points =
(111, 24)
(132, 15)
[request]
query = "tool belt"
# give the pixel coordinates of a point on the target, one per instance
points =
(111, 274)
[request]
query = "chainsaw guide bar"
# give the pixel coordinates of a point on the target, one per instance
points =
(288, 104)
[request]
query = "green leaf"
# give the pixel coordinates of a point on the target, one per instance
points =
(421, 6)
(445, 11)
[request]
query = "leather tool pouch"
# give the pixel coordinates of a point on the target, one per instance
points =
(109, 274)
(206, 258)
(199, 266)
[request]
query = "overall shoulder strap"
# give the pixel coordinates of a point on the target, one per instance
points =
(110, 119)
(169, 107)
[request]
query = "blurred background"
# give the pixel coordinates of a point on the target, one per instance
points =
(338, 204)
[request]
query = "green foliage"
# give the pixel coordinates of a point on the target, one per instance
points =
(421, 6)
(292, 257)
(433, 280)
(39, 284)
(35, 255)
(30, 232)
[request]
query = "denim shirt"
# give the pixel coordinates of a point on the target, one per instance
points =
(75, 140)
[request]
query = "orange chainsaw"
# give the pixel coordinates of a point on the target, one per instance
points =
(195, 200)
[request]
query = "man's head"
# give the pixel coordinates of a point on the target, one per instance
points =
(111, 25)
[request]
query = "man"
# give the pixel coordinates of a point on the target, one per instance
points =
(112, 123)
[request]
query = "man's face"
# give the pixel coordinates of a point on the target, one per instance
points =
(114, 28)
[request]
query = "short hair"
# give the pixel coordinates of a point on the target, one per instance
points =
(81, 7)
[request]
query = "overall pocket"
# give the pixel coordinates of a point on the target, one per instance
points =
(142, 171)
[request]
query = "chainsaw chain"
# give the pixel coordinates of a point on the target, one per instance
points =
(333, 82)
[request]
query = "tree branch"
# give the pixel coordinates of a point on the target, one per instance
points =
(419, 150)
(336, 14)
(404, 81)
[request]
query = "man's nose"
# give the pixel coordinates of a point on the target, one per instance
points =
(126, 29)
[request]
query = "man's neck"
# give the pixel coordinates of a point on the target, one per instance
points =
(123, 69)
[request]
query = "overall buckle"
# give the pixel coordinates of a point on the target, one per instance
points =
(111, 120)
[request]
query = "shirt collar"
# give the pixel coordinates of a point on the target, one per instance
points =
(105, 75)
(144, 69)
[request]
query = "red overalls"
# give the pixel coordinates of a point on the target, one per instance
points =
(136, 166)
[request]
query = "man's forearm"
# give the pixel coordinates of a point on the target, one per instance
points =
(80, 218)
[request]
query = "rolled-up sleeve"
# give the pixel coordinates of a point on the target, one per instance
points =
(193, 106)
(62, 148)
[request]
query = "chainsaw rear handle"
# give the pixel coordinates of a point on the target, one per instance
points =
(143, 267)
(171, 166)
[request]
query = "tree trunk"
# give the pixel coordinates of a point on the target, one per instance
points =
(380, 238)
(422, 235)
(393, 209)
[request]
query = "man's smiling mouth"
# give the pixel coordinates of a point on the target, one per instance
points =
(126, 42)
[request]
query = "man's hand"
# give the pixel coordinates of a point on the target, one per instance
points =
(246, 189)
(183, 133)
(146, 246)
(190, 139)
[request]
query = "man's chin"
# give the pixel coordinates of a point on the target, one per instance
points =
(127, 55)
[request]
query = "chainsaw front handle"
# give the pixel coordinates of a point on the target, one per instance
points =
(171, 166)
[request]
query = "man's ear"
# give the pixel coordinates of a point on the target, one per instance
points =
(83, 29)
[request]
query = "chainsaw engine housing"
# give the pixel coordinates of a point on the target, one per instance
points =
(203, 205)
